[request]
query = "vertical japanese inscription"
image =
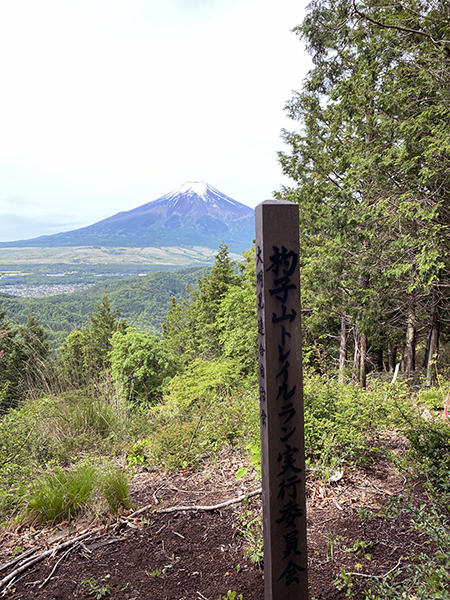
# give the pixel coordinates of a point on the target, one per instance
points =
(281, 401)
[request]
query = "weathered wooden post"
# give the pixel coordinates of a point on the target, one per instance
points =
(281, 401)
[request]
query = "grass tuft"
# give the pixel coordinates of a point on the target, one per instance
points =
(114, 487)
(59, 496)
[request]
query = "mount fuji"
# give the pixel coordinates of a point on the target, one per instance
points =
(194, 214)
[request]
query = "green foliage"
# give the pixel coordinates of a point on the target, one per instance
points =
(78, 415)
(250, 527)
(85, 356)
(191, 327)
(178, 443)
(115, 488)
(212, 289)
(179, 437)
(231, 595)
(54, 431)
(141, 366)
(254, 449)
(341, 418)
(137, 454)
(344, 582)
(421, 576)
(104, 323)
(430, 449)
(60, 495)
(368, 157)
(22, 445)
(433, 398)
(203, 381)
(10, 371)
(73, 422)
(35, 354)
(24, 354)
(236, 318)
(17, 551)
(97, 589)
(360, 548)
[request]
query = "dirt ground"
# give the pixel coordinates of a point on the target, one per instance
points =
(201, 554)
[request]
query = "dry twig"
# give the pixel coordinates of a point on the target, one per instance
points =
(34, 559)
(196, 507)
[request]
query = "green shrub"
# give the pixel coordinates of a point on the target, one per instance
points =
(432, 397)
(341, 418)
(430, 449)
(178, 444)
(141, 366)
(203, 380)
(176, 438)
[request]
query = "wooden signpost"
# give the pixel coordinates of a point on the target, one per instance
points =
(281, 401)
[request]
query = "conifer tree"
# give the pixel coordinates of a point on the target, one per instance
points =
(191, 327)
(85, 355)
(371, 165)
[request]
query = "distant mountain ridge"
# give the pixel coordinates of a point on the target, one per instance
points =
(194, 214)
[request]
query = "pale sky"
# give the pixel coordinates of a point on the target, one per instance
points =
(108, 104)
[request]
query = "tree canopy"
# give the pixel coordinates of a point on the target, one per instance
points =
(370, 162)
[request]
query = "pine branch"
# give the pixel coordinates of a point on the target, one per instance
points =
(436, 43)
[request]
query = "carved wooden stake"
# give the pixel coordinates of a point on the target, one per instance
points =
(281, 401)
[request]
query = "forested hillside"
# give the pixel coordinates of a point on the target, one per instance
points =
(143, 301)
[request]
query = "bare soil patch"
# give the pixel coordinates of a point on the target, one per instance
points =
(199, 554)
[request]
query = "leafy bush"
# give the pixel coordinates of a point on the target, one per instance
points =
(141, 366)
(430, 449)
(340, 418)
(178, 437)
(432, 397)
(203, 381)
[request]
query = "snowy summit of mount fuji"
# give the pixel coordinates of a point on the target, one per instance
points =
(194, 214)
(197, 198)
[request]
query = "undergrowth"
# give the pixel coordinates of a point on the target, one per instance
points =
(424, 575)
(67, 447)
(61, 494)
(420, 576)
(341, 420)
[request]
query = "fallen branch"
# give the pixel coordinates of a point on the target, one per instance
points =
(34, 559)
(44, 583)
(210, 507)
(195, 507)
(19, 558)
(376, 576)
